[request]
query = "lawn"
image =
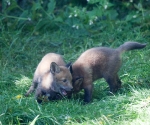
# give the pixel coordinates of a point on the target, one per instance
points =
(21, 52)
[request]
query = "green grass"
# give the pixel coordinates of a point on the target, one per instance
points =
(20, 54)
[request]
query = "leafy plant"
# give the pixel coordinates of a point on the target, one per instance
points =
(40, 16)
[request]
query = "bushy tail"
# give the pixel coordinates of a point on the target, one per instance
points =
(130, 46)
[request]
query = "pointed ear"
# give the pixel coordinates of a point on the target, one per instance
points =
(78, 81)
(54, 68)
(69, 66)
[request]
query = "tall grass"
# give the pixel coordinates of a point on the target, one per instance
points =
(20, 54)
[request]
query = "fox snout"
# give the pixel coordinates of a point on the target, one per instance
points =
(70, 88)
(65, 89)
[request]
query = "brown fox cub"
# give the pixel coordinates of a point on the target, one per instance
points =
(51, 77)
(99, 62)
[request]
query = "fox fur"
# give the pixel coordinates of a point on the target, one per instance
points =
(99, 62)
(51, 78)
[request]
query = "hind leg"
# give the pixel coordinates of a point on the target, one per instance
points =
(112, 82)
(118, 82)
(31, 89)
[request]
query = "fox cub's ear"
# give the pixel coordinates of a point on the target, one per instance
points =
(54, 68)
(69, 66)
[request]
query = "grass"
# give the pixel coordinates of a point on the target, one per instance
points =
(20, 54)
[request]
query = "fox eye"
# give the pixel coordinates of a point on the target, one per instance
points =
(64, 80)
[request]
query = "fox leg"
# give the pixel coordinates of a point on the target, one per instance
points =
(118, 82)
(32, 88)
(112, 82)
(69, 95)
(88, 93)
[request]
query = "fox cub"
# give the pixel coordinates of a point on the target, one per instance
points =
(99, 62)
(51, 77)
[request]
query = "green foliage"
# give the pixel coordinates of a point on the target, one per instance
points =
(31, 28)
(40, 16)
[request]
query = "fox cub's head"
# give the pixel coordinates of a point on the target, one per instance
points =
(62, 78)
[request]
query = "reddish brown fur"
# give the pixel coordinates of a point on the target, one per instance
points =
(50, 78)
(99, 62)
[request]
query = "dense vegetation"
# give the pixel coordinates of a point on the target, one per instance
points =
(31, 28)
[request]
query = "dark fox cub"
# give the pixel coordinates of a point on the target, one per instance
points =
(99, 62)
(51, 78)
